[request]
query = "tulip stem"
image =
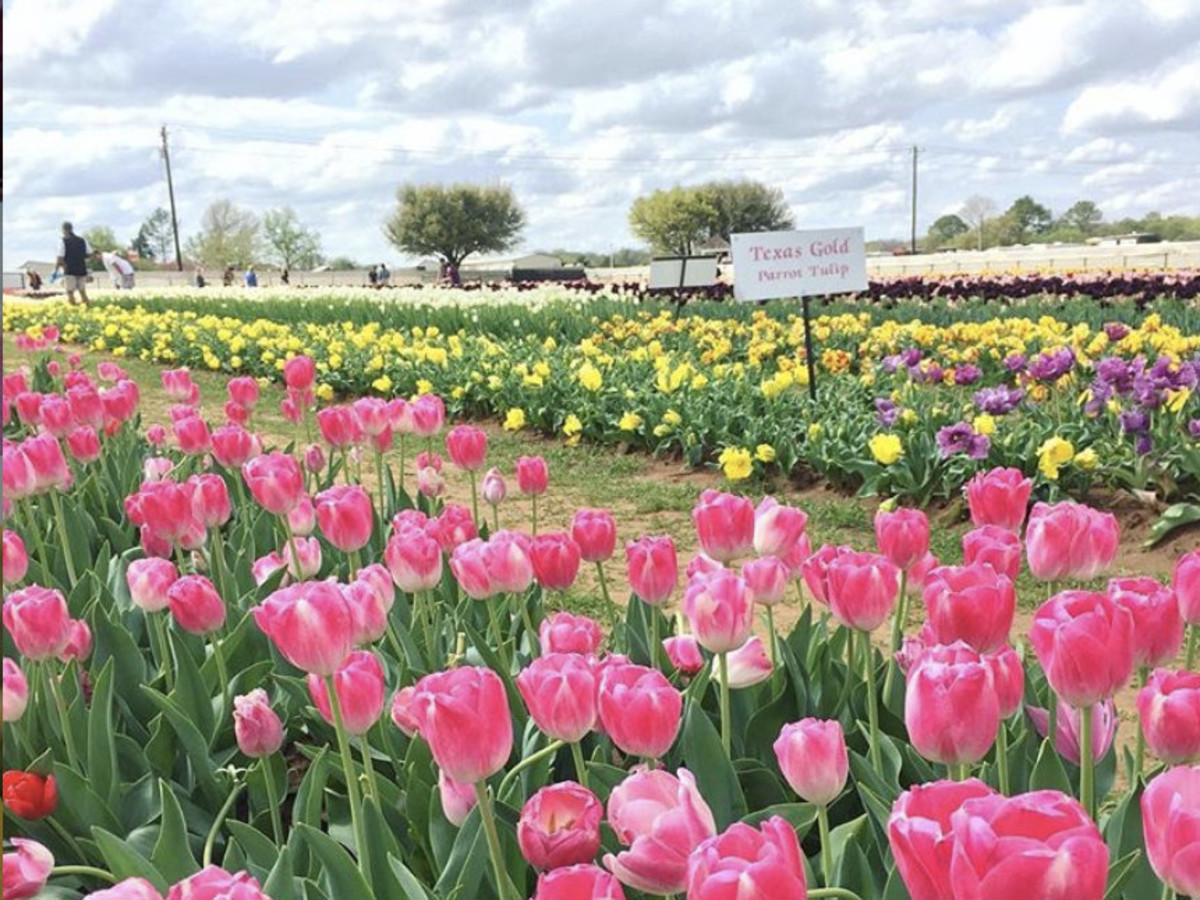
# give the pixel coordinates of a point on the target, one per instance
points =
(1168, 892)
(832, 892)
(604, 587)
(826, 846)
(872, 704)
(61, 705)
(352, 795)
(527, 761)
(1140, 755)
(383, 507)
(533, 515)
(1192, 645)
(394, 640)
(273, 803)
(1087, 763)
(83, 872)
(580, 765)
(219, 568)
(211, 840)
(474, 498)
(158, 624)
(364, 747)
(497, 636)
(725, 729)
(31, 524)
(523, 608)
(654, 643)
(504, 887)
(61, 519)
(403, 447)
(897, 633)
(771, 636)
(1002, 757)
(496, 518)
(222, 675)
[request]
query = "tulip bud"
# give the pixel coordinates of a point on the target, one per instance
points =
(532, 475)
(404, 710)
(299, 373)
(902, 536)
(29, 795)
(564, 632)
(555, 560)
(458, 799)
(951, 708)
(467, 446)
(1169, 710)
(257, 727)
(1070, 727)
(653, 568)
(999, 497)
(16, 691)
(16, 559)
(724, 525)
(767, 578)
(360, 692)
(494, 489)
(812, 756)
(749, 664)
(195, 604)
(560, 692)
(863, 588)
(595, 531)
(346, 516)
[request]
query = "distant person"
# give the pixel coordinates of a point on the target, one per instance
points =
(227, 278)
(119, 269)
(455, 278)
(443, 273)
(251, 277)
(373, 276)
(383, 276)
(73, 253)
(34, 279)
(200, 281)
(284, 277)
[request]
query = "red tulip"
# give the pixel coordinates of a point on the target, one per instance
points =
(1185, 582)
(767, 578)
(812, 756)
(639, 710)
(213, 883)
(195, 604)
(971, 604)
(360, 692)
(233, 446)
(16, 559)
(467, 446)
(555, 560)
(193, 435)
(1157, 624)
(920, 835)
(999, 497)
(16, 691)
(29, 795)
(1041, 844)
(724, 524)
(84, 444)
(560, 691)
(760, 864)
(26, 869)
(458, 799)
(560, 826)
(346, 516)
(532, 475)
(428, 415)
(1084, 642)
(582, 882)
(595, 531)
(463, 713)
(38, 621)
(749, 664)
(257, 727)
(996, 546)
(720, 611)
(1171, 828)
(777, 528)
(564, 632)
(1067, 735)
(275, 480)
(863, 588)
(1169, 710)
(951, 709)
(902, 536)
(311, 625)
(340, 426)
(299, 373)
(661, 818)
(1070, 540)
(653, 568)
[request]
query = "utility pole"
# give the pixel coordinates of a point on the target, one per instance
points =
(914, 198)
(171, 193)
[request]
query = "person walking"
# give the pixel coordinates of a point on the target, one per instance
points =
(73, 253)
(251, 277)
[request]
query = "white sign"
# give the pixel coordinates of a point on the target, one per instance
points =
(770, 264)
(683, 272)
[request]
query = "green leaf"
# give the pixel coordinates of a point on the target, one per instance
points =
(410, 887)
(280, 884)
(800, 815)
(125, 862)
(76, 794)
(338, 868)
(1120, 872)
(463, 872)
(195, 745)
(309, 796)
(1048, 772)
(191, 693)
(259, 849)
(101, 745)
(380, 846)
(172, 854)
(706, 760)
(1173, 517)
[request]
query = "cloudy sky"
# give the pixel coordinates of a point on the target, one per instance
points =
(582, 105)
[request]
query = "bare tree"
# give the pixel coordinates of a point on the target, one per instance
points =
(976, 212)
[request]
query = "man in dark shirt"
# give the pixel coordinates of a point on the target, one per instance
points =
(73, 253)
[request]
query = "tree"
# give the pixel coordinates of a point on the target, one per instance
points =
(228, 236)
(292, 244)
(155, 237)
(344, 264)
(975, 212)
(455, 221)
(945, 229)
(1026, 218)
(1083, 216)
(102, 239)
(673, 221)
(744, 206)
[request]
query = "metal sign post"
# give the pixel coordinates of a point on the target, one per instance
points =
(808, 353)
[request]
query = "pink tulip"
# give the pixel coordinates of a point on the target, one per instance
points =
(257, 727)
(403, 711)
(79, 645)
(1070, 541)
(582, 882)
(156, 435)
(193, 435)
(370, 610)
(996, 546)
(430, 482)
(463, 713)
(453, 527)
(177, 383)
(87, 408)
(639, 710)
(560, 826)
(373, 415)
(233, 446)
(661, 818)
(1169, 710)
(50, 469)
(210, 500)
(1040, 844)
(302, 520)
(1008, 674)
(653, 568)
(777, 528)
(468, 563)
(532, 475)
(156, 468)
(749, 664)
(920, 835)
(400, 415)
(311, 624)
(951, 709)
(560, 692)
(458, 799)
(494, 489)
(213, 883)
(168, 509)
(902, 536)
(1084, 642)
(414, 560)
(796, 555)
(509, 563)
(428, 415)
(29, 408)
(56, 415)
(299, 373)
(999, 497)
(38, 621)
(720, 611)
(20, 481)
(84, 444)
(815, 570)
(16, 559)
(564, 632)
(595, 531)
(971, 604)
(340, 426)
(684, 653)
(16, 691)
(236, 414)
(26, 869)
(306, 562)
(266, 566)
(120, 402)
(276, 481)
(195, 604)
(346, 516)
(1157, 624)
(1067, 736)
(760, 864)
(153, 545)
(863, 588)
(767, 578)
(360, 692)
(243, 391)
(128, 889)
(725, 525)
(314, 458)
(555, 560)
(812, 756)
(467, 446)
(1185, 581)
(1171, 828)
